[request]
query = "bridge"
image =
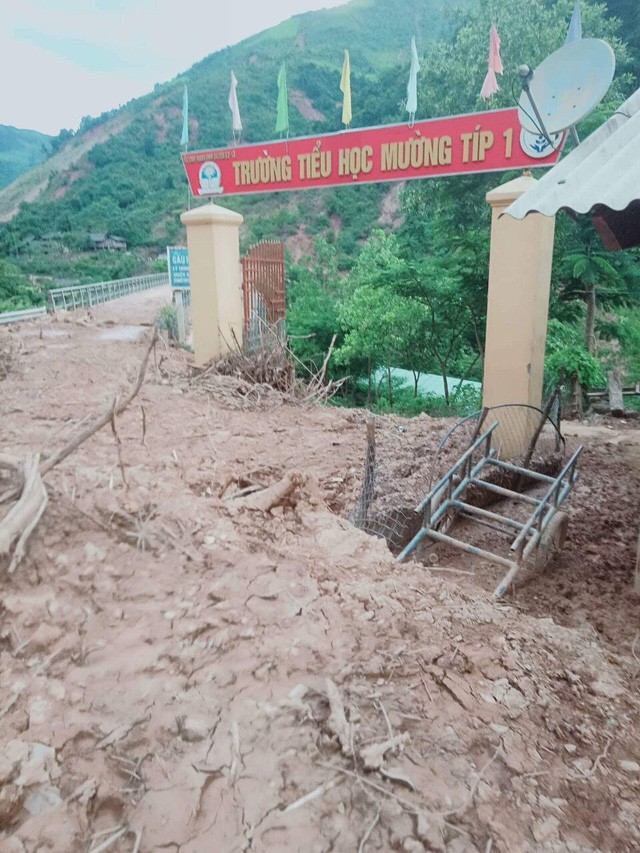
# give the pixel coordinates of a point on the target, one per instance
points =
(87, 295)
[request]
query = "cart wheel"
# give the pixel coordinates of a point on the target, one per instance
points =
(554, 537)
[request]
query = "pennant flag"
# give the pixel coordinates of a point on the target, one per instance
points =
(575, 27)
(490, 86)
(184, 140)
(282, 121)
(236, 121)
(345, 88)
(412, 85)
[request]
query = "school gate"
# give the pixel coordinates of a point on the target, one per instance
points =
(263, 293)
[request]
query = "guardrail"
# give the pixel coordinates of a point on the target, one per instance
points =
(18, 316)
(86, 295)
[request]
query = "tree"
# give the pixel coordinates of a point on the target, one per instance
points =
(589, 272)
(627, 12)
(314, 293)
(15, 291)
(453, 213)
(568, 362)
(620, 329)
(410, 313)
(448, 318)
(591, 269)
(375, 321)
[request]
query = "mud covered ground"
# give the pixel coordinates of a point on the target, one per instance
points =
(181, 672)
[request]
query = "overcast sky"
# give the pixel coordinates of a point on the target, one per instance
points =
(63, 59)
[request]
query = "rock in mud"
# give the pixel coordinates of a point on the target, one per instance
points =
(193, 729)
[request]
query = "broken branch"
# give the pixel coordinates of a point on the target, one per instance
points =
(23, 517)
(102, 420)
(275, 495)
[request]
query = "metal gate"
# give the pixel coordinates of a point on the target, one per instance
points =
(263, 292)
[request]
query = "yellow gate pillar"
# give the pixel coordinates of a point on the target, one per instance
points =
(517, 310)
(213, 239)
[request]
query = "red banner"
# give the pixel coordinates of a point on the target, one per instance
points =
(459, 145)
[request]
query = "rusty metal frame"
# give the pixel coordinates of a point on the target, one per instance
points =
(446, 501)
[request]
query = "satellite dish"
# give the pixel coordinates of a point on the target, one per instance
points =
(537, 145)
(566, 87)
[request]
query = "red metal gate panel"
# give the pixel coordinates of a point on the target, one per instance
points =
(263, 284)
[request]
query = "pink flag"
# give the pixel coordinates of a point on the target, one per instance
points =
(490, 86)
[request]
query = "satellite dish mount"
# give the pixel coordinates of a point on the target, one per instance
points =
(565, 88)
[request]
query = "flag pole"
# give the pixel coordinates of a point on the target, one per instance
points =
(186, 148)
(184, 139)
(282, 119)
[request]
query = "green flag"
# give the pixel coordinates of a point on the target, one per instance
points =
(185, 118)
(282, 122)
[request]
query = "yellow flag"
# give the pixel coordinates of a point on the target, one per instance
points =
(345, 88)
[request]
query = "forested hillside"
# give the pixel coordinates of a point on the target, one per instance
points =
(20, 150)
(133, 184)
(628, 12)
(398, 274)
(416, 298)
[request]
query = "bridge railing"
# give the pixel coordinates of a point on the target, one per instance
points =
(86, 295)
(18, 316)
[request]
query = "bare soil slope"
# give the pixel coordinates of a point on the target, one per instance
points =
(182, 672)
(30, 185)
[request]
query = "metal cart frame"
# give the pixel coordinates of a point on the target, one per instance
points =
(542, 533)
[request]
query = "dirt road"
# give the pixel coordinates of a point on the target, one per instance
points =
(182, 672)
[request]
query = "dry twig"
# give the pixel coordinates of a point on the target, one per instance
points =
(136, 845)
(118, 442)
(337, 722)
(368, 832)
(312, 795)
(479, 777)
(121, 732)
(235, 752)
(373, 756)
(110, 841)
(633, 649)
(598, 759)
(102, 420)
(266, 376)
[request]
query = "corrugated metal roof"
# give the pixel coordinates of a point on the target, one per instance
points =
(602, 170)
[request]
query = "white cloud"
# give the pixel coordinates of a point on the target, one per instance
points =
(62, 59)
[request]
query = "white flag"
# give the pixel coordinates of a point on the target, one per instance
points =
(412, 85)
(233, 106)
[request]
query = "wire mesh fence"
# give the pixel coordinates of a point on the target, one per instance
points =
(525, 435)
(395, 521)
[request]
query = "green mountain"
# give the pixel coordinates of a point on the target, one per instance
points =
(20, 150)
(121, 173)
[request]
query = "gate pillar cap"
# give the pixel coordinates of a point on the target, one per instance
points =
(211, 214)
(505, 194)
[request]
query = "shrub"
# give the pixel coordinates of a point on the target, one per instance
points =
(167, 320)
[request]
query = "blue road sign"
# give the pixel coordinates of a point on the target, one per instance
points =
(178, 265)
